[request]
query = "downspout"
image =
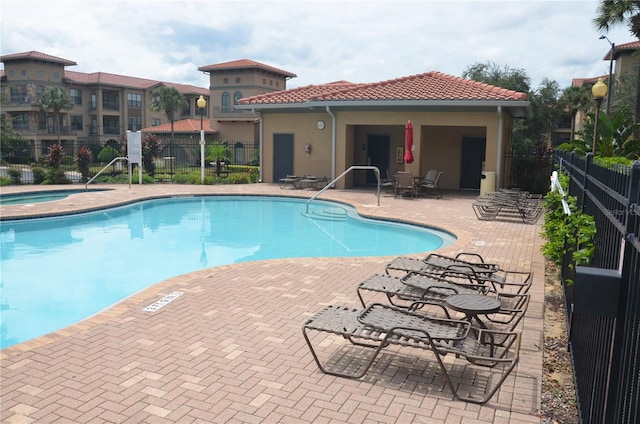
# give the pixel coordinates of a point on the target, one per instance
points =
(260, 144)
(499, 153)
(333, 143)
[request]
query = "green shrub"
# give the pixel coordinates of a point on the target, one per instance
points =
(39, 175)
(4, 181)
(567, 234)
(15, 175)
(56, 176)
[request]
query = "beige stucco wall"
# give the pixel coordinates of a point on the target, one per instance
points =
(437, 143)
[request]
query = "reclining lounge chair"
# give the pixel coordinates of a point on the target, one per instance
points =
(379, 326)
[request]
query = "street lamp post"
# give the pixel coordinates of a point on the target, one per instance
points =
(202, 104)
(599, 91)
(613, 47)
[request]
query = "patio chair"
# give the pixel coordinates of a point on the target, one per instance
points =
(431, 183)
(389, 182)
(404, 184)
(379, 326)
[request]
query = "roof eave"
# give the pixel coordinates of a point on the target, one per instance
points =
(520, 108)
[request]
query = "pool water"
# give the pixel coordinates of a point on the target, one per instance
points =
(37, 197)
(58, 271)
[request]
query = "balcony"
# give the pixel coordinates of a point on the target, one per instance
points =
(110, 105)
(111, 130)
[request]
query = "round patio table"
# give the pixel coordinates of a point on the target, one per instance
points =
(472, 305)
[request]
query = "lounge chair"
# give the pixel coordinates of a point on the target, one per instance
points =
(311, 181)
(379, 326)
(509, 204)
(403, 292)
(291, 180)
(404, 184)
(415, 292)
(478, 271)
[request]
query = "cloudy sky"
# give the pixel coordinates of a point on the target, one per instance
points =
(319, 40)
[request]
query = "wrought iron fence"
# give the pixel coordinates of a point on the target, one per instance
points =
(179, 161)
(604, 299)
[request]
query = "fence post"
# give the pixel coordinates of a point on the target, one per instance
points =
(587, 168)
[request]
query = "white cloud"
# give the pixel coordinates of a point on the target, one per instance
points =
(319, 40)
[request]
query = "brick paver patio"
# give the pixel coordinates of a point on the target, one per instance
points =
(230, 349)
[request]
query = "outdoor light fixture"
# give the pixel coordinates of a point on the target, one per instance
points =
(202, 104)
(599, 91)
(613, 47)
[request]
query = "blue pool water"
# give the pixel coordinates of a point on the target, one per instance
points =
(58, 271)
(37, 197)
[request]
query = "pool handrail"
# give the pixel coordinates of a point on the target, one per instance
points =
(86, 185)
(351, 168)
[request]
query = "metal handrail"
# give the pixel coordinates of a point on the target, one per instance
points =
(351, 168)
(86, 186)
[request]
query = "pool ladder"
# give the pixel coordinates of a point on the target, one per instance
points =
(351, 168)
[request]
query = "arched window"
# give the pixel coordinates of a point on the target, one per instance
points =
(226, 107)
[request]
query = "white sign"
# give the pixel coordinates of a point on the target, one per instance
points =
(134, 147)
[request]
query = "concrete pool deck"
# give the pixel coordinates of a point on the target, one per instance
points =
(230, 349)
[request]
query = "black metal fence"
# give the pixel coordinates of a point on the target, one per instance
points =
(604, 299)
(178, 161)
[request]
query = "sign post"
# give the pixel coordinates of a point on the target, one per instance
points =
(134, 153)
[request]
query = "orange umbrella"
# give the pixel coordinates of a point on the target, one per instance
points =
(408, 140)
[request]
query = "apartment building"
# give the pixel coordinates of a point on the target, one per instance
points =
(107, 105)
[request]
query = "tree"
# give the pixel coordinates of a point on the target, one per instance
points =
(55, 99)
(615, 12)
(169, 100)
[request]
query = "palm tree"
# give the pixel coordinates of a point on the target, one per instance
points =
(169, 100)
(616, 12)
(55, 99)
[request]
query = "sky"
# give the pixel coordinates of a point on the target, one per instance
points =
(320, 41)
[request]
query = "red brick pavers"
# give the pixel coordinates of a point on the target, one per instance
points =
(230, 349)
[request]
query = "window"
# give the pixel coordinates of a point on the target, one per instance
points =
(94, 101)
(23, 72)
(134, 100)
(39, 91)
(56, 75)
(225, 80)
(19, 94)
(236, 96)
(76, 122)
(76, 96)
(225, 102)
(94, 126)
(237, 80)
(20, 121)
(134, 124)
(155, 121)
(264, 81)
(41, 73)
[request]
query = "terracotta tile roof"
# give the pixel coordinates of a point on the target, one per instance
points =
(183, 126)
(421, 87)
(579, 82)
(619, 49)
(34, 55)
(104, 78)
(245, 64)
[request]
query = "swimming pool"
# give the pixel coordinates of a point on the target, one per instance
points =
(38, 197)
(58, 271)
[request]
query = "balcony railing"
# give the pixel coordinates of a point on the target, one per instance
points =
(111, 130)
(111, 105)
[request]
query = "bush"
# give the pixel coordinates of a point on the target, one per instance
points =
(4, 181)
(567, 234)
(56, 176)
(39, 175)
(15, 175)
(84, 158)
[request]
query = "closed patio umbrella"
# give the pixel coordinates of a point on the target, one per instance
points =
(408, 140)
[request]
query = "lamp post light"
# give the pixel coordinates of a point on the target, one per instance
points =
(599, 91)
(202, 104)
(613, 47)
